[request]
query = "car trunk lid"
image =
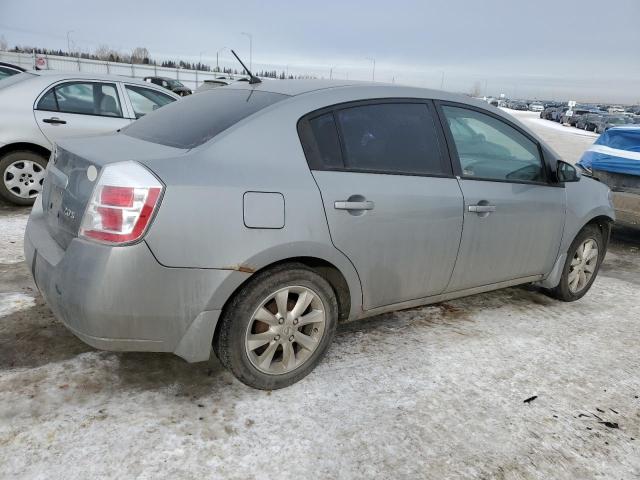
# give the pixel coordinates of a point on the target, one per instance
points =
(72, 172)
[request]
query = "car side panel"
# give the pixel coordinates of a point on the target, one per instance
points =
(201, 224)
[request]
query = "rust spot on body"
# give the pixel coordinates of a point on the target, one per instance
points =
(241, 268)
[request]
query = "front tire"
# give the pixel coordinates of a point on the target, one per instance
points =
(582, 265)
(278, 327)
(21, 176)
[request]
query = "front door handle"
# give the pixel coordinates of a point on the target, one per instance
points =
(347, 205)
(482, 208)
(54, 120)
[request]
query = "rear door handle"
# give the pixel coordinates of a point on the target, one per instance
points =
(482, 208)
(346, 205)
(54, 120)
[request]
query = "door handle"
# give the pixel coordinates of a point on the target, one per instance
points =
(346, 205)
(482, 208)
(54, 120)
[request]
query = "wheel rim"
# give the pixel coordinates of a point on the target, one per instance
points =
(24, 178)
(285, 330)
(583, 265)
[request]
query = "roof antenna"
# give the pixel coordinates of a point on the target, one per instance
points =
(252, 78)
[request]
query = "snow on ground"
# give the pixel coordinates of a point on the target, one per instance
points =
(11, 231)
(569, 142)
(14, 302)
(433, 392)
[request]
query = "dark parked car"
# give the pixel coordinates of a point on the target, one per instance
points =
(557, 114)
(170, 84)
(519, 106)
(8, 69)
(605, 122)
(572, 116)
(588, 121)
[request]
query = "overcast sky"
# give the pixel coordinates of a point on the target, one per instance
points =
(570, 49)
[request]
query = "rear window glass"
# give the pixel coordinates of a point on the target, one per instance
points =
(13, 79)
(198, 118)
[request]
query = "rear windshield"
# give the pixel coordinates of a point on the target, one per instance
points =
(198, 118)
(13, 79)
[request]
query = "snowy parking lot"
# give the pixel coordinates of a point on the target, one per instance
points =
(434, 392)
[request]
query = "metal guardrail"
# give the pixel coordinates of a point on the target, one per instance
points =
(190, 78)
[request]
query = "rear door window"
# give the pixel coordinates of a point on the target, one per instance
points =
(198, 118)
(86, 98)
(390, 138)
(146, 100)
(323, 143)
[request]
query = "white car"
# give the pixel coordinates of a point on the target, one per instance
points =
(41, 107)
(536, 107)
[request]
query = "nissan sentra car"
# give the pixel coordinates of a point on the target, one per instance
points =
(253, 218)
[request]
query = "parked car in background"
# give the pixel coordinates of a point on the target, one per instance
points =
(614, 160)
(588, 121)
(8, 69)
(41, 108)
(519, 106)
(546, 113)
(558, 113)
(170, 84)
(215, 83)
(605, 122)
(536, 107)
(572, 116)
(376, 181)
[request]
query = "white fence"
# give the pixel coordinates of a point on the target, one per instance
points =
(190, 78)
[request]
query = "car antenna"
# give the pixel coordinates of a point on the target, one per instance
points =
(252, 78)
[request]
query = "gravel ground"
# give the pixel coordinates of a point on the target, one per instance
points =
(435, 392)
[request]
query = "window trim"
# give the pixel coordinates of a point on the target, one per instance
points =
(453, 151)
(53, 86)
(307, 140)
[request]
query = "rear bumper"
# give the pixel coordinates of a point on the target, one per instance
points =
(121, 298)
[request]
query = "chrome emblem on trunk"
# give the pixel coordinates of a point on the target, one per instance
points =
(67, 212)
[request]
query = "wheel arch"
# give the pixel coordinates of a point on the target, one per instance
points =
(327, 270)
(19, 146)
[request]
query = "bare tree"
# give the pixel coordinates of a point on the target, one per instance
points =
(3, 43)
(103, 52)
(140, 55)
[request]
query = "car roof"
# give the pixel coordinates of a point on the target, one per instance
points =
(55, 75)
(11, 65)
(300, 87)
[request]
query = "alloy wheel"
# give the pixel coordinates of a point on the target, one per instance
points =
(583, 265)
(285, 330)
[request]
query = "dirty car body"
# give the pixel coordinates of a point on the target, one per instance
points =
(381, 198)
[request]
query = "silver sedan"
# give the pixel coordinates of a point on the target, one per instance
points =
(43, 107)
(252, 218)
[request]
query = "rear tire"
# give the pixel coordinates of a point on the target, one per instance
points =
(21, 176)
(579, 271)
(267, 349)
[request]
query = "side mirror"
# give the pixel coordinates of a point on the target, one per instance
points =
(567, 172)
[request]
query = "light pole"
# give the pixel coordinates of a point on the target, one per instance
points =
(218, 53)
(442, 82)
(69, 41)
(250, 49)
(331, 72)
(373, 73)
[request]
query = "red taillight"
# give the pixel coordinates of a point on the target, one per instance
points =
(117, 196)
(122, 204)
